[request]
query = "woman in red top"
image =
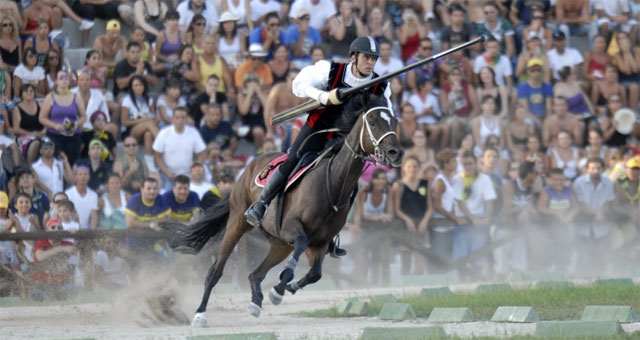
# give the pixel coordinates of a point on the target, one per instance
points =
(52, 256)
(410, 33)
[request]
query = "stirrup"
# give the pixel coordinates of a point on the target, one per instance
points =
(253, 216)
(334, 248)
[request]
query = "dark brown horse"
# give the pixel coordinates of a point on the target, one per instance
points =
(315, 210)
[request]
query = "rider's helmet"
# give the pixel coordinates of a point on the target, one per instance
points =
(366, 45)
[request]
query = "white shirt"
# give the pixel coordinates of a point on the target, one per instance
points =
(177, 149)
(201, 188)
(612, 7)
(481, 191)
(594, 197)
(84, 205)
(314, 79)
(209, 12)
(448, 196)
(97, 102)
(319, 13)
(260, 8)
(502, 68)
(431, 101)
(52, 177)
(571, 57)
(238, 11)
(381, 68)
(27, 75)
(167, 110)
(143, 109)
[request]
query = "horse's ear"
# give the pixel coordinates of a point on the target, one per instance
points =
(365, 99)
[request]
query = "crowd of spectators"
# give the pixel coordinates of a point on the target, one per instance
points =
(536, 126)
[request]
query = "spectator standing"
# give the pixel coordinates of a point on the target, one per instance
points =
(110, 44)
(132, 66)
(500, 64)
(199, 184)
(216, 129)
(112, 205)
(255, 64)
(175, 146)
(130, 168)
(475, 199)
(320, 10)
(51, 171)
(63, 114)
(346, 26)
(28, 72)
(372, 217)
(441, 233)
(573, 18)
(268, 35)
(39, 201)
(386, 63)
(412, 205)
(149, 15)
(518, 213)
(300, 37)
(410, 33)
(535, 95)
(595, 195)
(497, 27)
(184, 203)
(561, 56)
(26, 123)
(232, 41)
(98, 169)
(85, 199)
(188, 8)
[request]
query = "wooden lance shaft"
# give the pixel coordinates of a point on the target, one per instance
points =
(311, 105)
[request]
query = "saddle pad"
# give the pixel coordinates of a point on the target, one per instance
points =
(266, 172)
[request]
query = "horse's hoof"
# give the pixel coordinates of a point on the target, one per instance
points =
(199, 320)
(275, 297)
(254, 309)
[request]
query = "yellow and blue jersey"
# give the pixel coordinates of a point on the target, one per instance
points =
(145, 212)
(182, 211)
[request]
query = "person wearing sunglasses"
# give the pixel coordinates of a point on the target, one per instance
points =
(535, 95)
(196, 33)
(131, 168)
(53, 255)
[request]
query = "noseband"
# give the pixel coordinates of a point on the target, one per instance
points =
(378, 153)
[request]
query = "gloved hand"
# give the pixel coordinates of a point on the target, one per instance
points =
(329, 98)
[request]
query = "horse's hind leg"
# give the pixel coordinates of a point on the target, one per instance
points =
(300, 244)
(316, 257)
(277, 253)
(236, 227)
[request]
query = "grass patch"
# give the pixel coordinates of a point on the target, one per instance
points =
(554, 303)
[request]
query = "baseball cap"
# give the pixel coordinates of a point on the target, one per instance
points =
(633, 163)
(54, 221)
(302, 12)
(113, 25)
(4, 200)
(558, 35)
(533, 62)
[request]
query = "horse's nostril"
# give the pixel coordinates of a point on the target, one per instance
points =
(394, 153)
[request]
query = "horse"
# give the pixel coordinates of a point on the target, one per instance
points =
(366, 127)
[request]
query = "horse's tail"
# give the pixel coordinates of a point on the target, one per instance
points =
(191, 238)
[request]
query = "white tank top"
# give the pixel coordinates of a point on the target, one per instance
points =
(487, 130)
(238, 11)
(229, 51)
(372, 210)
(447, 196)
(570, 168)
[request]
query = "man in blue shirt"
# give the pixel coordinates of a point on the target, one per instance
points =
(300, 37)
(184, 203)
(216, 129)
(146, 208)
(535, 95)
(268, 35)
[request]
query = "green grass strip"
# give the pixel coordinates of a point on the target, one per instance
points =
(553, 303)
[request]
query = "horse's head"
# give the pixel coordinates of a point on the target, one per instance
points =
(375, 131)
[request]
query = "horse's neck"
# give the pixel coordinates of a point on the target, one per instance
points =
(346, 168)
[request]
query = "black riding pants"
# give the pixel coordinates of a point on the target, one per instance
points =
(313, 144)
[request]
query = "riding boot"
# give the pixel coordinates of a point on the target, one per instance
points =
(334, 249)
(257, 210)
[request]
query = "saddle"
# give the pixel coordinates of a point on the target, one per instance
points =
(307, 161)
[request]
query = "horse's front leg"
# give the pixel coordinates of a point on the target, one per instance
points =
(277, 252)
(316, 257)
(300, 244)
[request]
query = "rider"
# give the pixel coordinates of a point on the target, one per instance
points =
(321, 82)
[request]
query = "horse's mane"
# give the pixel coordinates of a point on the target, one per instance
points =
(351, 111)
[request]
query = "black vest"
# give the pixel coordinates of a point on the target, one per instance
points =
(325, 117)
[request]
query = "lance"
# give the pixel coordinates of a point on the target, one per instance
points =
(311, 105)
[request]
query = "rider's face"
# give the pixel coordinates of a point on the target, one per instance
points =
(365, 63)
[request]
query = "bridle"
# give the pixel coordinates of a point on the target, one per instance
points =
(377, 152)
